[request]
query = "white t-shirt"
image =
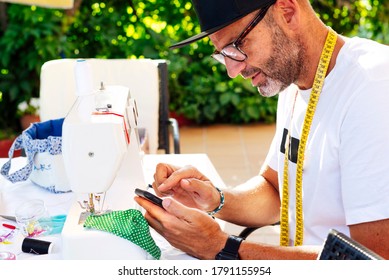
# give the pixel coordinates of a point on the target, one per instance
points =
(346, 166)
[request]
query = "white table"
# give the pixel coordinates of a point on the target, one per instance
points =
(12, 195)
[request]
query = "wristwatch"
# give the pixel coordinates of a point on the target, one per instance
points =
(230, 250)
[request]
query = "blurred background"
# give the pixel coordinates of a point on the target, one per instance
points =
(200, 91)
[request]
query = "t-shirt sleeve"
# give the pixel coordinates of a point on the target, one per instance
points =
(364, 157)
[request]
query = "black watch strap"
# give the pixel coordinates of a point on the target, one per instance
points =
(230, 250)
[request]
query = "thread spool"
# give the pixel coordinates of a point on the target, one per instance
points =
(83, 77)
(36, 246)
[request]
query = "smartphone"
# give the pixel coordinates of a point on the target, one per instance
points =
(149, 196)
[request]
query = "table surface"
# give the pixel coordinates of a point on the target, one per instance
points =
(13, 195)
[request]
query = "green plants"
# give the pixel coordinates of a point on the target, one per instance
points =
(207, 95)
(29, 36)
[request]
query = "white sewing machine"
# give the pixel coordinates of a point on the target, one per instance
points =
(103, 162)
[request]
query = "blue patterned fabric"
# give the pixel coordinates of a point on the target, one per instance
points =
(38, 138)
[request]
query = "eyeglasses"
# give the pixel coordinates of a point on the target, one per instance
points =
(232, 50)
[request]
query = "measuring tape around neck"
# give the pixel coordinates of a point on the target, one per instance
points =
(320, 75)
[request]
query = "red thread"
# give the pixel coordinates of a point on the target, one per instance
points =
(118, 115)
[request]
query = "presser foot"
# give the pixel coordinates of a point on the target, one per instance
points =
(84, 215)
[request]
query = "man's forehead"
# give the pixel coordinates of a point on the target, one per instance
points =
(221, 37)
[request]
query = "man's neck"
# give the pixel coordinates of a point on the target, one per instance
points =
(315, 45)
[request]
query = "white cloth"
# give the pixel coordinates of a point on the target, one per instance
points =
(13, 195)
(346, 166)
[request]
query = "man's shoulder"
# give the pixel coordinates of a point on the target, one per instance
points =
(369, 57)
(358, 44)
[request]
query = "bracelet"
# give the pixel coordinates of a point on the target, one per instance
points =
(217, 209)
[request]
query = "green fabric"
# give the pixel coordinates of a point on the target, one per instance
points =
(128, 224)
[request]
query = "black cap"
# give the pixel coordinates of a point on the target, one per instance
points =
(213, 15)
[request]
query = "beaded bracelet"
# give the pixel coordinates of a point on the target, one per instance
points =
(217, 209)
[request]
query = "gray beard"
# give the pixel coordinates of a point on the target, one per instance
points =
(285, 65)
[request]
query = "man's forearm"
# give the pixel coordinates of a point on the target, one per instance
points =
(255, 251)
(254, 203)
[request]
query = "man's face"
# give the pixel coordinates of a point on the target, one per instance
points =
(282, 67)
(274, 61)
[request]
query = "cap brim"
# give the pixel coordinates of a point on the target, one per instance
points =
(208, 32)
(202, 35)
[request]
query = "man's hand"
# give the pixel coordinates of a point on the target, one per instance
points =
(187, 185)
(187, 229)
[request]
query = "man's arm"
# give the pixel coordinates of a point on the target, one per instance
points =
(197, 234)
(373, 235)
(255, 203)
(255, 251)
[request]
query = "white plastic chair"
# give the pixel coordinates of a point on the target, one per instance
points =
(146, 79)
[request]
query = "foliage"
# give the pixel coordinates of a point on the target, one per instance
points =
(7, 133)
(199, 87)
(30, 38)
(367, 18)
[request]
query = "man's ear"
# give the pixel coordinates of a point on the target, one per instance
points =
(289, 13)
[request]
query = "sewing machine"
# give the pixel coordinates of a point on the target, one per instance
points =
(103, 162)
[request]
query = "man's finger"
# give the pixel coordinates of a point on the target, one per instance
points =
(179, 210)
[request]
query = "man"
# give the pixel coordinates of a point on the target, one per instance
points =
(332, 129)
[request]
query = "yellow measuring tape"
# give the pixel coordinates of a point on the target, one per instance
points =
(321, 71)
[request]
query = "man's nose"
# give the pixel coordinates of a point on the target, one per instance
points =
(234, 67)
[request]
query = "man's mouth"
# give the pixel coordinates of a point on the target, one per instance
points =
(256, 75)
(257, 79)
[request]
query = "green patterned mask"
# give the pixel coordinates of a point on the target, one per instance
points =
(128, 224)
